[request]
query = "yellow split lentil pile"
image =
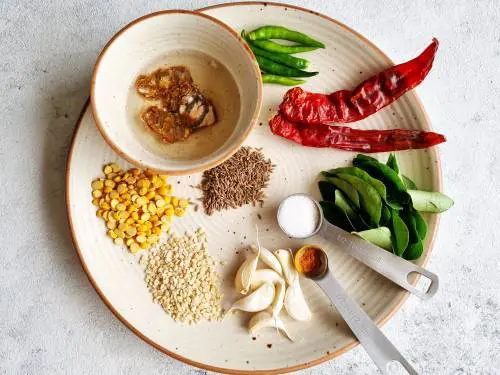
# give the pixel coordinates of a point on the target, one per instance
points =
(136, 205)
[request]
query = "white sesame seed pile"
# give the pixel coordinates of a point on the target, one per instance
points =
(181, 276)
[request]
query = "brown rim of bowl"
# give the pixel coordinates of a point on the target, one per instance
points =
(230, 152)
(400, 299)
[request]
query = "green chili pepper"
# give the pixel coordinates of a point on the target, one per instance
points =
(279, 32)
(272, 67)
(280, 48)
(282, 58)
(279, 80)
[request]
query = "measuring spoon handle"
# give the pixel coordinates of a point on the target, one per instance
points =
(380, 260)
(378, 347)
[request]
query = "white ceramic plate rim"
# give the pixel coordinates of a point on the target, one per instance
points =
(323, 358)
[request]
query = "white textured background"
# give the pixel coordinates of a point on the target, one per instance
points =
(52, 321)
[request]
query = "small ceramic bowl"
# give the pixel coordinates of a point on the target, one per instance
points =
(222, 66)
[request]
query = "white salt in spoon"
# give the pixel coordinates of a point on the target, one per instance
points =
(300, 216)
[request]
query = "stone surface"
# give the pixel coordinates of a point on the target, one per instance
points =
(52, 321)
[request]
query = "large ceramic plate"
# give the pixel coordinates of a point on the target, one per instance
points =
(226, 346)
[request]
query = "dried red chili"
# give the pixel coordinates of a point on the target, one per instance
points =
(349, 139)
(369, 97)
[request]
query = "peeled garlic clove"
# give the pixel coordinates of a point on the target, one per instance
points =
(264, 319)
(295, 303)
(268, 258)
(245, 274)
(279, 299)
(237, 280)
(265, 276)
(258, 300)
(271, 277)
(286, 260)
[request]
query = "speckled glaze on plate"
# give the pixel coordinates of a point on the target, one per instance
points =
(226, 346)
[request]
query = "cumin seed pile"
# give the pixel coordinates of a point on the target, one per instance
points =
(238, 181)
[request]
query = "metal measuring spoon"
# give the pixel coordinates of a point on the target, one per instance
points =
(380, 260)
(378, 347)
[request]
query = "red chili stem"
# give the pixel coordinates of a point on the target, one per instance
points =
(349, 139)
(369, 97)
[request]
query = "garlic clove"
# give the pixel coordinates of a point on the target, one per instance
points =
(268, 258)
(265, 276)
(258, 300)
(237, 279)
(295, 303)
(264, 319)
(285, 258)
(279, 299)
(271, 277)
(245, 274)
(248, 268)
